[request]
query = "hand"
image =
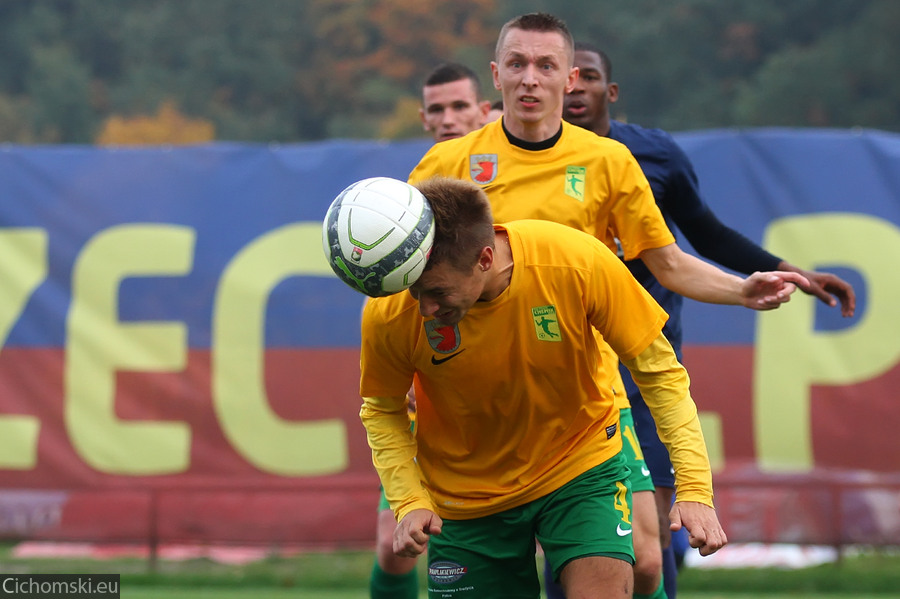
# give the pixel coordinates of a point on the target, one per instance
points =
(768, 290)
(827, 287)
(704, 531)
(412, 533)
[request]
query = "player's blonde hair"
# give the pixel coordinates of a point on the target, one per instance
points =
(537, 21)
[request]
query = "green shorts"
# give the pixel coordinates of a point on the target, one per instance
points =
(494, 556)
(382, 500)
(631, 448)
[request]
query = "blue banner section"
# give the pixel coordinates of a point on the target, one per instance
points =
(229, 196)
(752, 178)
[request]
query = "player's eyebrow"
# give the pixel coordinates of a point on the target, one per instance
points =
(520, 56)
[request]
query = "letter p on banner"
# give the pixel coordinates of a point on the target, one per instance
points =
(790, 356)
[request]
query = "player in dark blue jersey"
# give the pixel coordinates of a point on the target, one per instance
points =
(676, 190)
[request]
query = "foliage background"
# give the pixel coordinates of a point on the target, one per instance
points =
(175, 71)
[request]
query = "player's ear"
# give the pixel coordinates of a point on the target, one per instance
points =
(572, 79)
(495, 75)
(612, 91)
(485, 259)
(424, 122)
(485, 107)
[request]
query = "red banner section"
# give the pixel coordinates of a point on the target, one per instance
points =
(854, 427)
(221, 496)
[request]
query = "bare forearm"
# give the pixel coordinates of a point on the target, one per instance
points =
(691, 277)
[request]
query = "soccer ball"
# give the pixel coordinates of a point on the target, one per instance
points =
(377, 235)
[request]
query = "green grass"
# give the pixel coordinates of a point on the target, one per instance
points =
(264, 593)
(874, 572)
(778, 595)
(242, 593)
(344, 575)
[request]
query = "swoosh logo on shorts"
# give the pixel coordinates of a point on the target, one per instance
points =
(437, 361)
(621, 532)
(644, 471)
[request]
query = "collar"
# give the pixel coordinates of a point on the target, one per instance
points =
(532, 145)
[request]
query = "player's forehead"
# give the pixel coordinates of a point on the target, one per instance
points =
(452, 92)
(534, 45)
(439, 278)
(587, 60)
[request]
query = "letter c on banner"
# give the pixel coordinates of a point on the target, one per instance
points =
(266, 440)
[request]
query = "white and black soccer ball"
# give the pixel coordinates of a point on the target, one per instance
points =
(377, 235)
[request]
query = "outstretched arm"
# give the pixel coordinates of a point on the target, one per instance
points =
(723, 245)
(691, 277)
(828, 287)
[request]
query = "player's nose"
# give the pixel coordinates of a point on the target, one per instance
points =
(529, 75)
(427, 307)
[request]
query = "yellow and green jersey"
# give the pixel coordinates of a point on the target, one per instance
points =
(584, 181)
(510, 402)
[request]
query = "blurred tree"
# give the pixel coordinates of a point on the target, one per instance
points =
(168, 126)
(233, 61)
(372, 53)
(404, 122)
(838, 81)
(284, 70)
(59, 86)
(14, 122)
(684, 64)
(14, 46)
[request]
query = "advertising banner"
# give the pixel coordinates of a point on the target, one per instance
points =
(179, 363)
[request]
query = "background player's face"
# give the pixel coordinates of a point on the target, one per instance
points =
(588, 103)
(533, 74)
(451, 109)
(447, 293)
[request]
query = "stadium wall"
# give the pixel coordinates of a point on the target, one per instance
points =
(178, 363)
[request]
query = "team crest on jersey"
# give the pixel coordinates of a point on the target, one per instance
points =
(546, 324)
(483, 168)
(442, 339)
(575, 176)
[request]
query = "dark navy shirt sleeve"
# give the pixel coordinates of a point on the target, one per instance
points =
(677, 192)
(702, 228)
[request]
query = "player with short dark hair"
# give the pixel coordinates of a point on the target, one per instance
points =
(451, 107)
(517, 434)
(676, 191)
(452, 104)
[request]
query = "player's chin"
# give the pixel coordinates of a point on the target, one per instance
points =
(449, 319)
(576, 117)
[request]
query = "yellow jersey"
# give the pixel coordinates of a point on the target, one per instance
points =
(510, 405)
(585, 181)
